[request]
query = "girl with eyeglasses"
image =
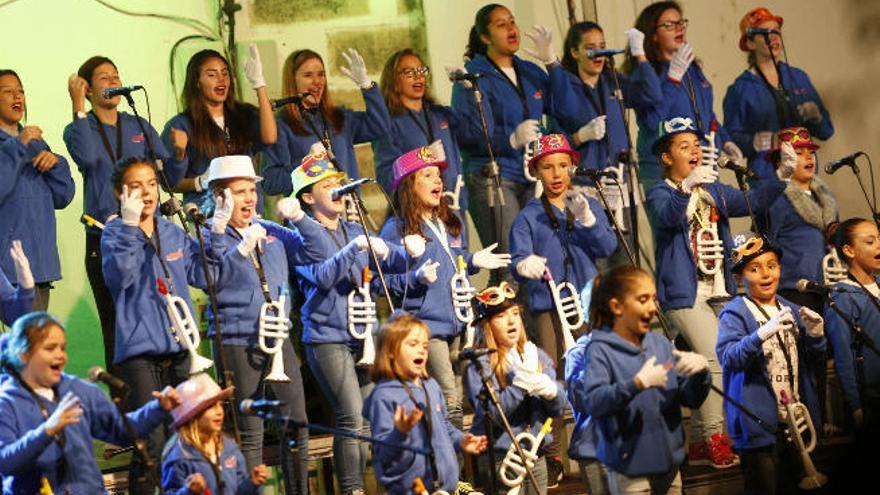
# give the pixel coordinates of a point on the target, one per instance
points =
(770, 94)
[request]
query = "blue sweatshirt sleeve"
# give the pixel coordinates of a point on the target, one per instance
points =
(841, 344)
(392, 464)
(694, 389)
(78, 137)
(598, 240)
(667, 207)
(277, 164)
(736, 346)
(467, 132)
(174, 474)
(823, 129)
(521, 244)
(301, 244)
(122, 249)
(14, 302)
(642, 87)
(328, 273)
(108, 425)
(60, 183)
(11, 163)
(552, 407)
(736, 120)
(510, 397)
(604, 396)
(465, 107)
(374, 122)
(19, 449)
(176, 169)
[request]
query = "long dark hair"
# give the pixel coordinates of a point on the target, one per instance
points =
(647, 23)
(290, 115)
(207, 137)
(573, 41)
(388, 82)
(475, 45)
(411, 208)
(613, 285)
(840, 234)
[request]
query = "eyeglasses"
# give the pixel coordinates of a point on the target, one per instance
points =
(415, 72)
(750, 247)
(795, 135)
(678, 124)
(673, 25)
(493, 296)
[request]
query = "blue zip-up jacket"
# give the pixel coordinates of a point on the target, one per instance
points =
(508, 111)
(14, 302)
(27, 453)
(676, 266)
(28, 200)
(183, 460)
(640, 430)
(326, 284)
(749, 108)
(745, 378)
(87, 150)
(575, 110)
(585, 435)
(523, 411)
(675, 102)
(432, 303)
(239, 295)
(357, 127)
(857, 305)
(131, 268)
(531, 233)
(396, 469)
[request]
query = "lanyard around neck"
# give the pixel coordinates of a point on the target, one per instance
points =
(106, 141)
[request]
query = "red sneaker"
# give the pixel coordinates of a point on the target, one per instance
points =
(720, 452)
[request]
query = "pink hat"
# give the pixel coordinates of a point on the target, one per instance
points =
(196, 395)
(554, 143)
(417, 159)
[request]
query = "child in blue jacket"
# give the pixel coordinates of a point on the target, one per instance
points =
(199, 458)
(49, 419)
(523, 375)
(406, 407)
(36, 182)
(340, 128)
(768, 97)
(16, 300)
(636, 384)
(767, 348)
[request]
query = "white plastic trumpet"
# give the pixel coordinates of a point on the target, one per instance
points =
(529, 152)
(462, 293)
(274, 324)
(455, 194)
(513, 465)
(362, 313)
(833, 270)
(797, 419)
(184, 328)
(619, 187)
(568, 306)
(710, 255)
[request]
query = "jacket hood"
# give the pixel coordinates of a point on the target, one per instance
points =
(609, 337)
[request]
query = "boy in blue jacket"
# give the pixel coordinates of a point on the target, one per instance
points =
(767, 348)
(16, 301)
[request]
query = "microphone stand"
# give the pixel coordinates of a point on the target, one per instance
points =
(871, 205)
(860, 340)
(741, 182)
(490, 393)
(359, 204)
(138, 445)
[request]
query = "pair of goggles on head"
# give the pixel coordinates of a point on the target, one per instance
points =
(493, 296)
(795, 136)
(747, 248)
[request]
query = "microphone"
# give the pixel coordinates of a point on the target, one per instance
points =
(464, 76)
(850, 160)
(260, 406)
(124, 91)
(195, 215)
(348, 188)
(97, 374)
(725, 162)
(594, 174)
(752, 31)
(804, 285)
(295, 99)
(471, 354)
(594, 54)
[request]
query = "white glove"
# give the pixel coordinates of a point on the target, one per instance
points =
(780, 321)
(699, 176)
(317, 148)
(545, 387)
(636, 42)
(130, 206)
(454, 70)
(652, 374)
(733, 153)
(526, 380)
(250, 238)
(809, 111)
(579, 206)
(357, 69)
(526, 132)
(488, 260)
(813, 322)
(415, 245)
(762, 141)
(253, 69)
(377, 242)
(787, 161)
(22, 266)
(593, 131)
(532, 267)
(689, 363)
(680, 62)
(200, 183)
(437, 150)
(427, 273)
(543, 40)
(289, 209)
(223, 206)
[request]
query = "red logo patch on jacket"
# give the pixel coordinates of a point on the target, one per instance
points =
(137, 138)
(270, 238)
(456, 242)
(230, 462)
(444, 124)
(538, 95)
(174, 255)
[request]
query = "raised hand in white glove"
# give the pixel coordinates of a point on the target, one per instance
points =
(437, 150)
(317, 148)
(223, 206)
(732, 151)
(787, 161)
(357, 69)
(680, 62)
(289, 209)
(593, 131)
(200, 183)
(427, 273)
(651, 375)
(780, 321)
(809, 111)
(636, 41)
(250, 238)
(542, 37)
(579, 206)
(526, 132)
(689, 363)
(415, 245)
(545, 387)
(455, 70)
(22, 265)
(532, 267)
(527, 380)
(813, 322)
(762, 141)
(130, 206)
(253, 69)
(488, 260)
(698, 177)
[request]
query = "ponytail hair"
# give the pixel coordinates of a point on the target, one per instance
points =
(612, 285)
(26, 333)
(573, 41)
(840, 234)
(475, 45)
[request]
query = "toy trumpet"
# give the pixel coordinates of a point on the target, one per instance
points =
(274, 324)
(512, 471)
(362, 314)
(184, 328)
(568, 307)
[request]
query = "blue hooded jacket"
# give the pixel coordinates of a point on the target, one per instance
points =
(27, 453)
(585, 435)
(183, 460)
